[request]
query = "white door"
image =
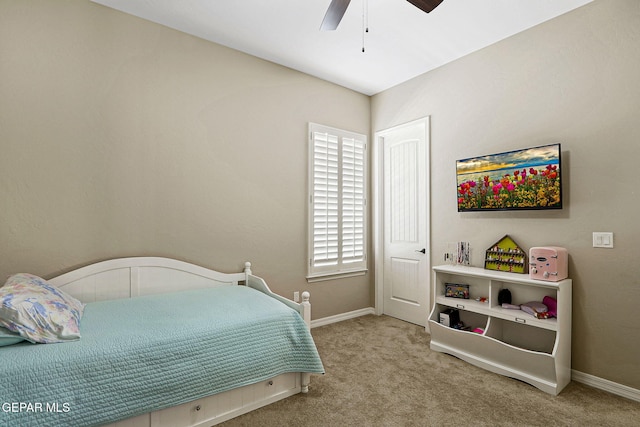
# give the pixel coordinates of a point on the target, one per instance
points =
(404, 229)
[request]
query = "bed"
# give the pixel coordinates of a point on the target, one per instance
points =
(163, 343)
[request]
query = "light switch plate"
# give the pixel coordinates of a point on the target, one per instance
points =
(602, 239)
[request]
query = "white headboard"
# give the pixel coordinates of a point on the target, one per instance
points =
(136, 276)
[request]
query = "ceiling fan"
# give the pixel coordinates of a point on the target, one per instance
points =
(337, 8)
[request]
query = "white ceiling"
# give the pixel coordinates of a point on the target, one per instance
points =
(402, 41)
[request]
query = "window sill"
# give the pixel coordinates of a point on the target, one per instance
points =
(321, 277)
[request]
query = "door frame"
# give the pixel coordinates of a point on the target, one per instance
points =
(378, 209)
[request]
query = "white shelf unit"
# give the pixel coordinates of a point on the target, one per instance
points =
(514, 343)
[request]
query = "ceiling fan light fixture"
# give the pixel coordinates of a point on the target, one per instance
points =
(425, 5)
(334, 14)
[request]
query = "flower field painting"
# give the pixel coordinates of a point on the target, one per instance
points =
(515, 180)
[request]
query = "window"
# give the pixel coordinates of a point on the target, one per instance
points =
(337, 197)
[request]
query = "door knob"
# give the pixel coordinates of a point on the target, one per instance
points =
(423, 250)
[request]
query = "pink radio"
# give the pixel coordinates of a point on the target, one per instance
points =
(549, 263)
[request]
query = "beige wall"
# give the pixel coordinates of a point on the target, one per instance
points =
(573, 80)
(120, 137)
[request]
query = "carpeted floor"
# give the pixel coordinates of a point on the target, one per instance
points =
(381, 372)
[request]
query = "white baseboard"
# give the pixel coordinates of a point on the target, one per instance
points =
(606, 385)
(340, 317)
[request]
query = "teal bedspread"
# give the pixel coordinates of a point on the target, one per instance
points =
(147, 353)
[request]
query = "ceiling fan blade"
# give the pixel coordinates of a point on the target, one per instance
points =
(425, 5)
(334, 14)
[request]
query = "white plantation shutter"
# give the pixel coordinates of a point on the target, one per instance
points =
(353, 199)
(325, 198)
(337, 214)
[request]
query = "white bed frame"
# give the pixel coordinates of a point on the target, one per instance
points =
(137, 276)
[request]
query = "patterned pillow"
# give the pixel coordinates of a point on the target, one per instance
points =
(39, 311)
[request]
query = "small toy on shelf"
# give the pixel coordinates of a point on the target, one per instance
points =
(540, 310)
(506, 255)
(461, 326)
(536, 309)
(510, 306)
(454, 290)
